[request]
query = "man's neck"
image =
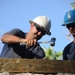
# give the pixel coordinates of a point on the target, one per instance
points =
(74, 39)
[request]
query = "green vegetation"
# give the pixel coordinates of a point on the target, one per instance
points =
(73, 5)
(52, 54)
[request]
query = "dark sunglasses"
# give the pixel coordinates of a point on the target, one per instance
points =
(40, 29)
(70, 25)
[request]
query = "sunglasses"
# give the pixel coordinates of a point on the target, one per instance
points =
(70, 25)
(40, 29)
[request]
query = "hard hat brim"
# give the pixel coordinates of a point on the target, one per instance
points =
(47, 32)
(64, 24)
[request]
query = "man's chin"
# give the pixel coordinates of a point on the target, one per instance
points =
(73, 35)
(38, 38)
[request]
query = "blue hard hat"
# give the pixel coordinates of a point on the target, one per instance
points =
(69, 17)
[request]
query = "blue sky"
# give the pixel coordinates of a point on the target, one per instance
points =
(17, 13)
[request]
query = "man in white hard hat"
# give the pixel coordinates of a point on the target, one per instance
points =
(13, 40)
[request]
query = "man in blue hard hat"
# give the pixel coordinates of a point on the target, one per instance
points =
(69, 22)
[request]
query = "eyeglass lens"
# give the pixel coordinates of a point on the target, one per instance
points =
(39, 29)
(70, 25)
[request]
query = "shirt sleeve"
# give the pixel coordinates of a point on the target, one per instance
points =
(66, 51)
(17, 32)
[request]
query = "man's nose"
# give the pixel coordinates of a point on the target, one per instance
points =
(71, 28)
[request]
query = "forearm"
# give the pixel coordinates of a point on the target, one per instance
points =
(10, 39)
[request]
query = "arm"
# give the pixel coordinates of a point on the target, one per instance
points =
(17, 36)
(10, 39)
(64, 54)
(13, 36)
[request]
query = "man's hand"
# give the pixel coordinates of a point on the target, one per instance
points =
(30, 42)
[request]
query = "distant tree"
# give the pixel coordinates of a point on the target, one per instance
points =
(69, 36)
(52, 55)
(73, 5)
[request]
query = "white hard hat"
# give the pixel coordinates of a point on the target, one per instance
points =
(44, 22)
